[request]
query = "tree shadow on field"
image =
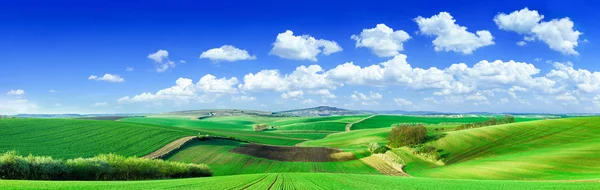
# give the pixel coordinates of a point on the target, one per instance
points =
(435, 137)
(443, 156)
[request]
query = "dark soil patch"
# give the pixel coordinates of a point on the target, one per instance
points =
(288, 154)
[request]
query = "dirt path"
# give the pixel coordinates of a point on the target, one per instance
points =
(349, 125)
(169, 148)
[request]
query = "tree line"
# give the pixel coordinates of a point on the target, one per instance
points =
(494, 121)
(101, 167)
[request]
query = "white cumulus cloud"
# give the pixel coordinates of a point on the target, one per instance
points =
(302, 47)
(558, 34)
(226, 53)
(108, 78)
(292, 94)
(382, 40)
(161, 60)
(451, 36)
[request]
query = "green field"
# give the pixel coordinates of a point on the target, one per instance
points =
(382, 121)
(486, 157)
(216, 154)
(71, 138)
(546, 149)
(301, 181)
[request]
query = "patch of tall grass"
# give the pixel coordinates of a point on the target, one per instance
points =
(101, 167)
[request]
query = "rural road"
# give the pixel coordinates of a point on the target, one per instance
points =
(169, 147)
(349, 125)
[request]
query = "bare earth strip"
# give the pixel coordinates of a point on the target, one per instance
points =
(385, 165)
(169, 148)
(349, 125)
(292, 154)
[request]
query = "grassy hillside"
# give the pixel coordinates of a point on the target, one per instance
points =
(330, 123)
(351, 140)
(289, 131)
(381, 121)
(545, 149)
(300, 181)
(70, 138)
(216, 154)
(223, 129)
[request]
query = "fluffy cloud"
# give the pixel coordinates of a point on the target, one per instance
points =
(367, 100)
(455, 79)
(226, 53)
(382, 40)
(451, 36)
(128, 69)
(303, 77)
(558, 34)
(521, 43)
(580, 79)
(162, 61)
(264, 80)
(185, 91)
(395, 71)
(108, 78)
(521, 21)
(211, 84)
(16, 92)
(402, 102)
(303, 47)
(292, 94)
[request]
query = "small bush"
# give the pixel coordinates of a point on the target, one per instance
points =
(375, 148)
(260, 127)
(407, 135)
(427, 151)
(101, 167)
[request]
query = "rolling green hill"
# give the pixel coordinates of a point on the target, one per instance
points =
(382, 121)
(547, 149)
(216, 154)
(70, 138)
(301, 181)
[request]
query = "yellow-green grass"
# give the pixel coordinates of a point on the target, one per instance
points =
(71, 138)
(559, 149)
(352, 141)
(301, 181)
(216, 154)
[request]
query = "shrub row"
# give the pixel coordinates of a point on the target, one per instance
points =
(101, 167)
(494, 121)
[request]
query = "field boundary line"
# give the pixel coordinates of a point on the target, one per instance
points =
(170, 148)
(349, 125)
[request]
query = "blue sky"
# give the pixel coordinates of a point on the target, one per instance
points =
(51, 51)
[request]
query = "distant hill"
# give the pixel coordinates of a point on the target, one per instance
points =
(70, 115)
(216, 112)
(320, 111)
